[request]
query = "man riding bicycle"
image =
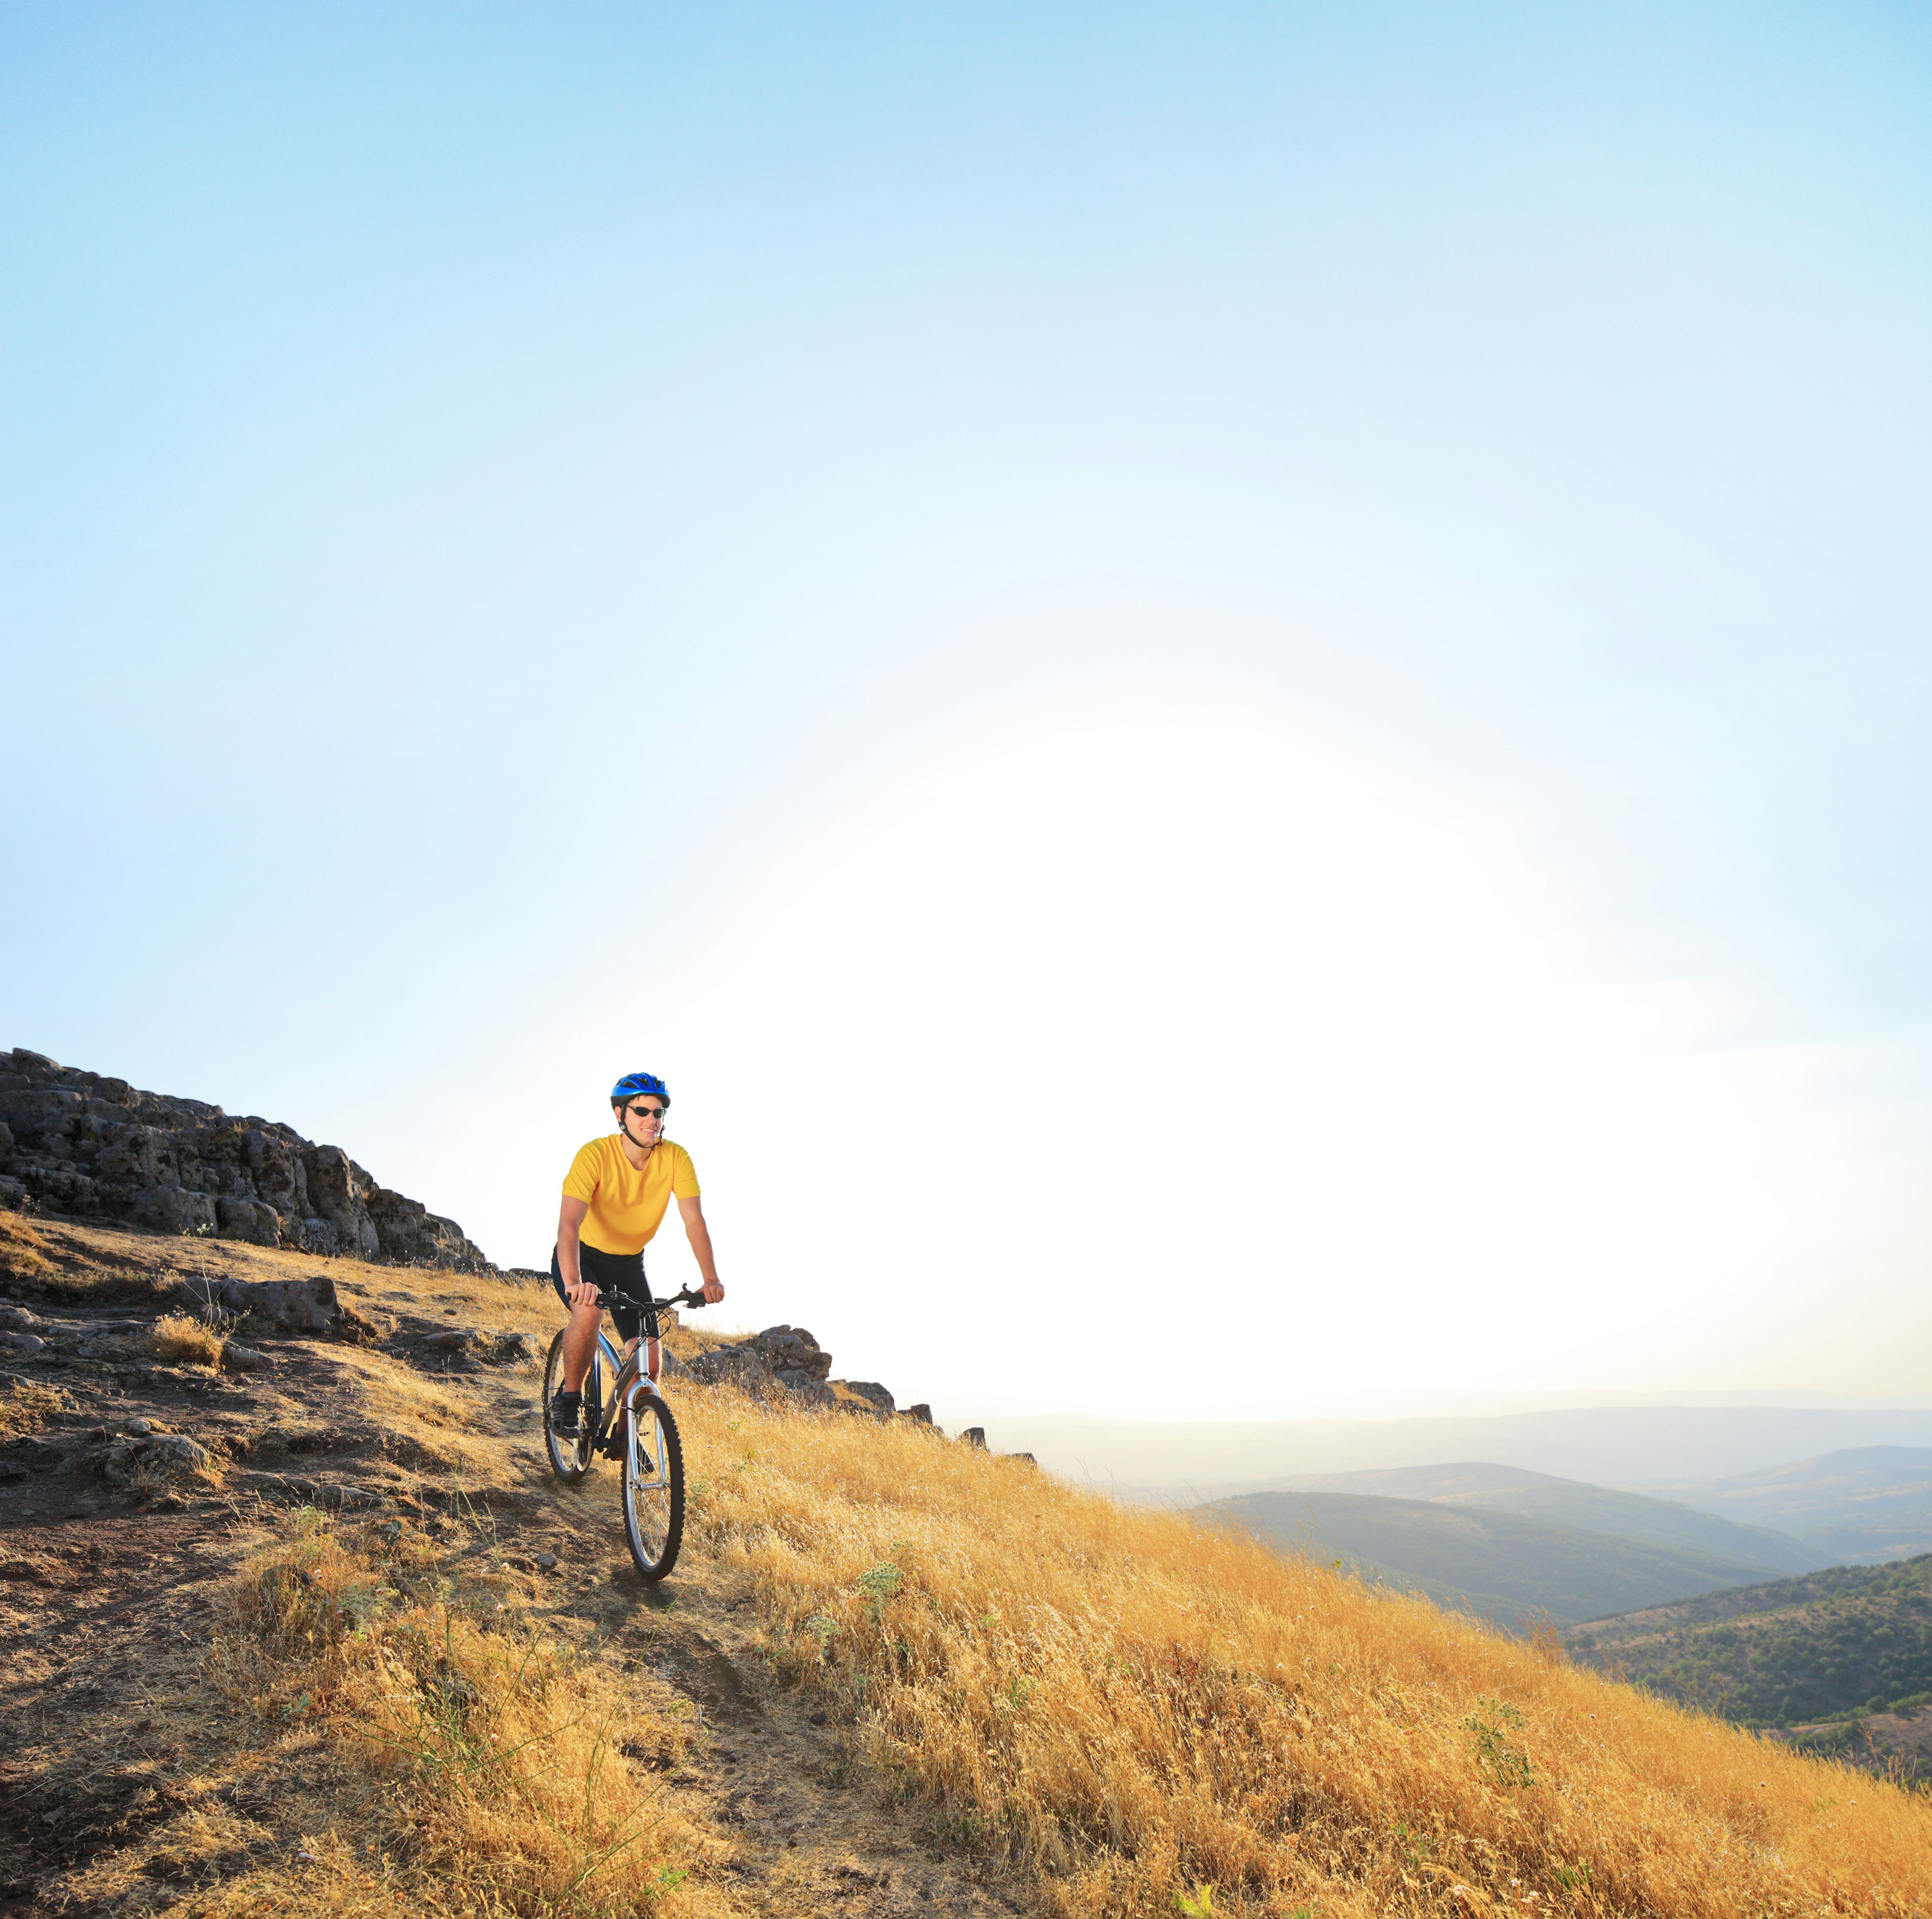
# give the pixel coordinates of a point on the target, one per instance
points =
(614, 1198)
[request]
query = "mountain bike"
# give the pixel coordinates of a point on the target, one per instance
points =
(631, 1424)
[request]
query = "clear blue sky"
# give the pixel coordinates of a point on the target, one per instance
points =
(485, 486)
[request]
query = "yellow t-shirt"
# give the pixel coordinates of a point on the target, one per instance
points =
(627, 1205)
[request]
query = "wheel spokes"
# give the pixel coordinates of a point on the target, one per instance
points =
(647, 1479)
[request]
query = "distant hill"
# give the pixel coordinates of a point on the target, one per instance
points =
(1866, 1502)
(1498, 1565)
(1655, 1449)
(1597, 1509)
(1789, 1652)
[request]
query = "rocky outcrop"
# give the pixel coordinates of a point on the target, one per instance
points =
(795, 1357)
(282, 1305)
(786, 1357)
(788, 1360)
(95, 1147)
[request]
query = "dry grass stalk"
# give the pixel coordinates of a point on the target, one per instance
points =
(496, 1759)
(186, 1341)
(23, 1251)
(27, 1407)
(1139, 1708)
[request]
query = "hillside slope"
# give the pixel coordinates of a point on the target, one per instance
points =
(167, 1741)
(1596, 1509)
(322, 1637)
(1851, 1639)
(1498, 1565)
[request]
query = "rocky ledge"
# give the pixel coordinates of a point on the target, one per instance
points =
(95, 1147)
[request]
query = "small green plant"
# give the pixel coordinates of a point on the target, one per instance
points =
(1491, 1722)
(1415, 1846)
(1198, 1904)
(1574, 1878)
(879, 1583)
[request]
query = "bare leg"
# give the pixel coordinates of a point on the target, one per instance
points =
(653, 1354)
(580, 1342)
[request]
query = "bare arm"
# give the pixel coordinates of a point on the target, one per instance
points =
(699, 1234)
(569, 1218)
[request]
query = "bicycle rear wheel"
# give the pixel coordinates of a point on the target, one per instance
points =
(570, 1459)
(653, 1487)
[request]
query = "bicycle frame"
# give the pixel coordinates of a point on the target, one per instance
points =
(629, 1382)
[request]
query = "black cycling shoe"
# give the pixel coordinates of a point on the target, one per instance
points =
(566, 1415)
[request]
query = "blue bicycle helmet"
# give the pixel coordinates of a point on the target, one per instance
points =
(631, 1084)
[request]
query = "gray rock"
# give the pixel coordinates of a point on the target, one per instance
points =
(332, 1495)
(792, 1349)
(289, 1306)
(169, 1209)
(975, 1435)
(870, 1388)
(55, 1186)
(238, 1358)
(37, 1454)
(808, 1392)
(252, 1220)
(165, 1457)
(26, 1344)
(741, 1366)
(18, 1319)
(921, 1412)
(340, 1496)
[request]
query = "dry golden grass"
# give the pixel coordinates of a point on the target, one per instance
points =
(1134, 1709)
(500, 1773)
(184, 1340)
(1140, 1707)
(434, 1422)
(23, 1249)
(27, 1407)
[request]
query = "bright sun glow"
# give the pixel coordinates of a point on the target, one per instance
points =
(1159, 1059)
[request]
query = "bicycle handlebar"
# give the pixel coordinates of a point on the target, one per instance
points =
(685, 1298)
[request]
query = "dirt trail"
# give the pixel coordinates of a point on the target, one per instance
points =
(123, 1788)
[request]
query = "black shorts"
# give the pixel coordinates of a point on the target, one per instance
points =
(609, 1272)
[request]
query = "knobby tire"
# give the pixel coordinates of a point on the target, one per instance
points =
(571, 1460)
(653, 1491)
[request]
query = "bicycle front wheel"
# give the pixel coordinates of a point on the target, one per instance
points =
(653, 1487)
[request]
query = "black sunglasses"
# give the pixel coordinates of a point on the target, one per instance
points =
(645, 1112)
